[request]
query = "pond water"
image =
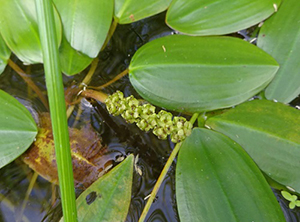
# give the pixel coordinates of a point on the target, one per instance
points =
(43, 202)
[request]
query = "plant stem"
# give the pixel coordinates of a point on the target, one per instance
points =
(97, 95)
(110, 33)
(30, 83)
(119, 76)
(57, 105)
(163, 175)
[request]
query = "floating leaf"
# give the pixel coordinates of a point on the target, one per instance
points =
(128, 11)
(19, 29)
(86, 24)
(108, 199)
(217, 181)
(196, 74)
(214, 17)
(72, 61)
(292, 198)
(4, 54)
(17, 129)
(280, 37)
(269, 132)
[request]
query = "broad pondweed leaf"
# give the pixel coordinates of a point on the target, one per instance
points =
(269, 132)
(214, 17)
(216, 180)
(86, 24)
(280, 37)
(71, 60)
(19, 29)
(108, 199)
(194, 74)
(4, 54)
(128, 11)
(17, 129)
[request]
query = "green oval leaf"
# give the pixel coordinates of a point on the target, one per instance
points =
(196, 74)
(19, 29)
(128, 11)
(269, 132)
(4, 54)
(214, 17)
(280, 37)
(86, 24)
(108, 198)
(72, 61)
(17, 129)
(217, 181)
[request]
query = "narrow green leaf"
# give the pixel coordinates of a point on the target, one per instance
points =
(72, 61)
(269, 132)
(19, 29)
(108, 198)
(128, 11)
(17, 129)
(4, 54)
(196, 74)
(86, 24)
(216, 180)
(57, 104)
(280, 37)
(215, 17)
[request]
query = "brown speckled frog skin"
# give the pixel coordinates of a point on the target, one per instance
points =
(86, 150)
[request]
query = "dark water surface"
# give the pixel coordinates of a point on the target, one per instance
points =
(120, 137)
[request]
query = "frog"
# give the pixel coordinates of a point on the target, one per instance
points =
(90, 157)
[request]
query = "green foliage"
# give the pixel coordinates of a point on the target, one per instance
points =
(17, 129)
(267, 131)
(71, 60)
(214, 17)
(109, 197)
(292, 198)
(85, 25)
(213, 170)
(197, 67)
(19, 29)
(55, 90)
(128, 11)
(4, 54)
(280, 37)
(216, 180)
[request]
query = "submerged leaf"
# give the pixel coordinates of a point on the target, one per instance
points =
(17, 129)
(269, 132)
(216, 180)
(280, 37)
(108, 199)
(195, 74)
(88, 154)
(215, 17)
(19, 29)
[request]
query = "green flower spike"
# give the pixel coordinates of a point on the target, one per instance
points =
(292, 198)
(181, 129)
(146, 119)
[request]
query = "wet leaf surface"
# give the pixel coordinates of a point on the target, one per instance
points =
(86, 149)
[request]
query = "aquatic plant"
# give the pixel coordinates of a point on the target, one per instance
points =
(247, 137)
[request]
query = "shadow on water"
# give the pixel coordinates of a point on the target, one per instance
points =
(120, 137)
